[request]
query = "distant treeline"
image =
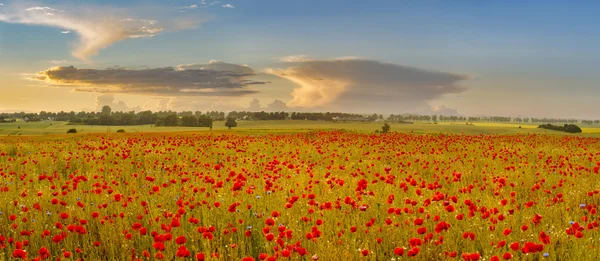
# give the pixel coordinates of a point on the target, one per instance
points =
(588, 122)
(315, 116)
(498, 119)
(185, 118)
(197, 118)
(571, 128)
(107, 117)
(4, 120)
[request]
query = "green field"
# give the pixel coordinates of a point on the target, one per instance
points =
(251, 127)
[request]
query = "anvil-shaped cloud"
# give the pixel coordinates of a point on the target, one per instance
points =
(355, 84)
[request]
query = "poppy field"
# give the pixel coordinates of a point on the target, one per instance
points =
(322, 195)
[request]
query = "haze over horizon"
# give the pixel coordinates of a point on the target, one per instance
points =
(509, 58)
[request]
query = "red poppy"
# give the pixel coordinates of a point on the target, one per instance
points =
(19, 253)
(182, 251)
(364, 252)
(399, 251)
(180, 240)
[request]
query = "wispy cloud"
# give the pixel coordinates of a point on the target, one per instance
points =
(40, 8)
(96, 26)
(190, 8)
(212, 79)
(209, 3)
(296, 58)
(228, 6)
(57, 62)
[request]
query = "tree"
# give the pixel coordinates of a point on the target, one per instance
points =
(171, 120)
(204, 121)
(72, 131)
(230, 123)
(189, 121)
(106, 109)
(106, 119)
(385, 128)
(147, 117)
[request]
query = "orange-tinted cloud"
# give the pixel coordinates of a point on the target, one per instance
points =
(213, 79)
(355, 84)
(96, 27)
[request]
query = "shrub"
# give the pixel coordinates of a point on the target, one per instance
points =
(571, 128)
(72, 131)
(385, 128)
(121, 130)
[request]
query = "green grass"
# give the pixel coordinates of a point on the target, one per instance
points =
(258, 127)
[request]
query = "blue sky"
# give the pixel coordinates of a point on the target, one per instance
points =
(521, 57)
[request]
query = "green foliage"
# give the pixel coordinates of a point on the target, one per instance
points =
(570, 128)
(72, 131)
(106, 109)
(205, 121)
(121, 130)
(171, 120)
(230, 123)
(189, 121)
(385, 128)
(257, 116)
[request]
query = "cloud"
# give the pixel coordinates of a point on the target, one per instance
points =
(160, 104)
(213, 79)
(40, 8)
(57, 62)
(254, 105)
(228, 6)
(191, 103)
(109, 99)
(277, 105)
(190, 8)
(359, 85)
(167, 104)
(295, 58)
(443, 110)
(217, 65)
(97, 27)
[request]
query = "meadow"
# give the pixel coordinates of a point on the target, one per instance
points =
(280, 191)
(292, 126)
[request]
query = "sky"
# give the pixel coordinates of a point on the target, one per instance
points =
(472, 58)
